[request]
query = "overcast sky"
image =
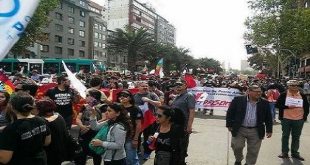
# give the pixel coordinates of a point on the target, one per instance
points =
(209, 28)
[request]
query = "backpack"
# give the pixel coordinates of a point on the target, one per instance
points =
(101, 135)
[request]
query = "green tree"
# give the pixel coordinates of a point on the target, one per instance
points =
(209, 63)
(34, 30)
(283, 26)
(175, 58)
(131, 41)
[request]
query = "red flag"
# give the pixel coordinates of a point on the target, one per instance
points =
(190, 82)
(43, 89)
(148, 116)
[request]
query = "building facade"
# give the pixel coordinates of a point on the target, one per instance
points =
(77, 29)
(132, 13)
(165, 32)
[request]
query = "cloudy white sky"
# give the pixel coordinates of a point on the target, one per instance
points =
(209, 28)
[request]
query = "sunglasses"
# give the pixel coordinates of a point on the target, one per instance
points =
(124, 96)
(158, 115)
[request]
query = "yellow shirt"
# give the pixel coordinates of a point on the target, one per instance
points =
(294, 113)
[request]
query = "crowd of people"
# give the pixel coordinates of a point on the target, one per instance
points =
(157, 118)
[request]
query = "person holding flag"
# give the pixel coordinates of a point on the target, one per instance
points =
(147, 102)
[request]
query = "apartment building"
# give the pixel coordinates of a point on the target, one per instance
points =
(77, 29)
(132, 13)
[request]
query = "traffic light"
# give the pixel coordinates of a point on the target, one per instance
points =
(250, 49)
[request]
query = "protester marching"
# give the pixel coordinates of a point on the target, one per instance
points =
(147, 117)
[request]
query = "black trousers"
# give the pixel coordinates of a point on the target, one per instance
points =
(115, 162)
(84, 141)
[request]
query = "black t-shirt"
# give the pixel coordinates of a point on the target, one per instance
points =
(163, 142)
(56, 151)
(134, 113)
(25, 137)
(63, 100)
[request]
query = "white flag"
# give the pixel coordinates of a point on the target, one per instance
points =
(77, 84)
(14, 17)
(161, 73)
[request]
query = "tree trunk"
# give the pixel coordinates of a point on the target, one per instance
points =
(131, 61)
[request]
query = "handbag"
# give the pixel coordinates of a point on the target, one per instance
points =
(101, 135)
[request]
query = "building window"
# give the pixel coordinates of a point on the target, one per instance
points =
(138, 19)
(70, 52)
(82, 33)
(58, 39)
(96, 35)
(71, 9)
(96, 26)
(82, 43)
(103, 45)
(71, 20)
(44, 48)
(58, 50)
(82, 24)
(82, 3)
(58, 16)
(59, 27)
(71, 30)
(95, 44)
(100, 27)
(100, 54)
(82, 13)
(70, 41)
(82, 53)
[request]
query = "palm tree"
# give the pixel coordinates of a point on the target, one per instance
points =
(131, 41)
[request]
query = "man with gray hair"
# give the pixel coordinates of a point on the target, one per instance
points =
(248, 118)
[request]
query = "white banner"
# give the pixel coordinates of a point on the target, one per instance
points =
(214, 98)
(14, 17)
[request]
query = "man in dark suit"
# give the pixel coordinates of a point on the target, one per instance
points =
(248, 118)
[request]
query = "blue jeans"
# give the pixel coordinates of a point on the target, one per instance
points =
(131, 154)
(272, 106)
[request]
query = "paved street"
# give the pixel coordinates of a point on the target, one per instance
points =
(208, 144)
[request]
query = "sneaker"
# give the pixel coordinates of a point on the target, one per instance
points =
(283, 156)
(146, 156)
(298, 157)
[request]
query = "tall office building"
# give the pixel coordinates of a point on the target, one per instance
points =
(132, 13)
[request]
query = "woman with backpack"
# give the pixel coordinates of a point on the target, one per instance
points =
(86, 133)
(119, 127)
